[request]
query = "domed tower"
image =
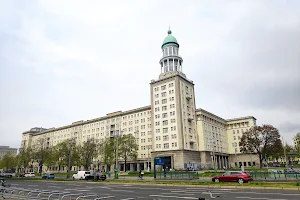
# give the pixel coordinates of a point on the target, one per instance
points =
(170, 61)
(173, 110)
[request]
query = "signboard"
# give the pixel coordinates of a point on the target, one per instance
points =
(159, 161)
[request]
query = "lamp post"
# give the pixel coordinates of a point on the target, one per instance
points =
(116, 135)
(212, 140)
(148, 168)
(71, 141)
(234, 145)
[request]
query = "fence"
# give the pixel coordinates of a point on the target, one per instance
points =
(26, 194)
(177, 175)
(275, 176)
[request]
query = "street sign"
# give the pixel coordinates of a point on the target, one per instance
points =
(159, 161)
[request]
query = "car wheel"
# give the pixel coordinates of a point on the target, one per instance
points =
(73, 178)
(217, 180)
(240, 181)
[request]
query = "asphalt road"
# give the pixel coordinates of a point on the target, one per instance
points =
(147, 192)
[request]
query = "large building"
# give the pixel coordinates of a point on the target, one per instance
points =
(6, 149)
(171, 127)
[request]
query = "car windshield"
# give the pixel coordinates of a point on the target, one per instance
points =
(51, 174)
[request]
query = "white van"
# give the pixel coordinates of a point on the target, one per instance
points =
(80, 175)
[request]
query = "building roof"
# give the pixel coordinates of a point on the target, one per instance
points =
(240, 118)
(170, 39)
(109, 115)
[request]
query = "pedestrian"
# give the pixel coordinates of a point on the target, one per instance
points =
(108, 173)
(142, 174)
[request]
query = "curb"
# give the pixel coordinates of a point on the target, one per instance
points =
(183, 185)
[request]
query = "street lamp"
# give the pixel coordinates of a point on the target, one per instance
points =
(148, 167)
(234, 146)
(116, 135)
(213, 140)
(71, 141)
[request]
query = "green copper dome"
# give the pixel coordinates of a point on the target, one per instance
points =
(170, 39)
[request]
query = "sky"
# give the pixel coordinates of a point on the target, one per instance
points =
(63, 61)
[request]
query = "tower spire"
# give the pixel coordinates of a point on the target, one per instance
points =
(170, 61)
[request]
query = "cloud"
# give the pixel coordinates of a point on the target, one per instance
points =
(63, 61)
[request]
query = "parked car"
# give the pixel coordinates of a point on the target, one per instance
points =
(29, 174)
(48, 176)
(80, 175)
(233, 176)
(96, 176)
(7, 174)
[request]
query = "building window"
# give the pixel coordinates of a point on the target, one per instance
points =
(164, 101)
(237, 131)
(157, 123)
(174, 144)
(157, 138)
(172, 105)
(157, 130)
(234, 138)
(173, 128)
(165, 122)
(156, 102)
(164, 108)
(163, 87)
(166, 145)
(171, 84)
(233, 132)
(164, 94)
(165, 130)
(173, 121)
(171, 98)
(172, 113)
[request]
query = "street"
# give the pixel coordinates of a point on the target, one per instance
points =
(154, 192)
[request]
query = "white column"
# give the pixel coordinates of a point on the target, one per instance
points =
(178, 66)
(168, 68)
(173, 64)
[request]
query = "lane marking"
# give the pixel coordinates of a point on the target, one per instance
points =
(127, 199)
(178, 194)
(121, 190)
(258, 198)
(32, 185)
(176, 197)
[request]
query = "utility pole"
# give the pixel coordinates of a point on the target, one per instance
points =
(70, 156)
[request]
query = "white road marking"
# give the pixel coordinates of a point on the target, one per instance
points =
(14, 184)
(121, 190)
(258, 198)
(127, 199)
(32, 185)
(53, 186)
(77, 190)
(178, 194)
(176, 197)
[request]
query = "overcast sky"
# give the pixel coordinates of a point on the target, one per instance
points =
(64, 61)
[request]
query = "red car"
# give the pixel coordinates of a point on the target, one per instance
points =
(233, 176)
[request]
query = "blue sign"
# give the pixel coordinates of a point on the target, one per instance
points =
(159, 161)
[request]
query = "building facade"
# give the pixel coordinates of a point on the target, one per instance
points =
(6, 149)
(170, 127)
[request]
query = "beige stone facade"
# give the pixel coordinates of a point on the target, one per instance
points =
(170, 127)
